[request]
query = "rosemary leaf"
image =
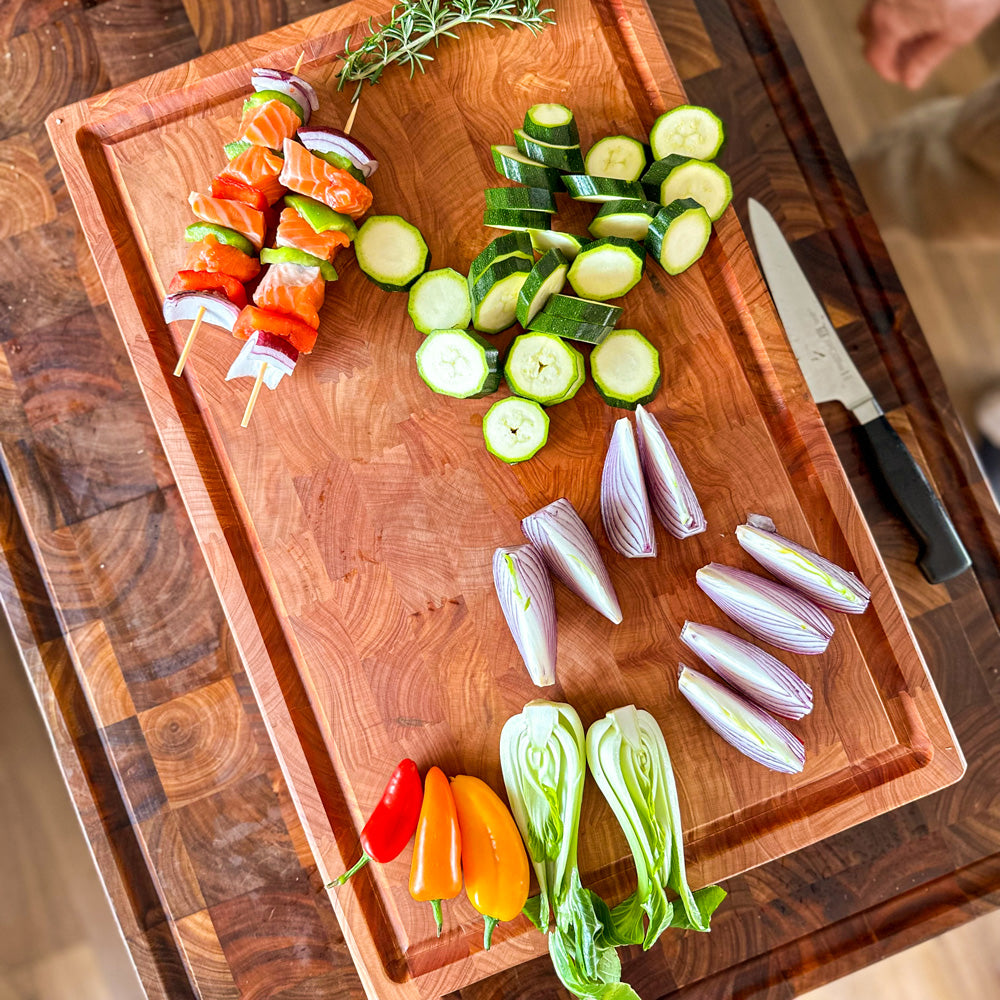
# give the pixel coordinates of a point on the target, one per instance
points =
(414, 24)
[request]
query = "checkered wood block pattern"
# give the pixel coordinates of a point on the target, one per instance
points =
(155, 723)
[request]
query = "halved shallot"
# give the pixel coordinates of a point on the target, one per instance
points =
(625, 510)
(265, 78)
(569, 550)
(756, 674)
(219, 311)
(742, 724)
(526, 599)
(670, 493)
(323, 139)
(816, 576)
(769, 610)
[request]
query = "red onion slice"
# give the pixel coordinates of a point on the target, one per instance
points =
(670, 493)
(219, 311)
(625, 510)
(320, 139)
(757, 675)
(771, 611)
(807, 571)
(264, 78)
(742, 724)
(526, 599)
(569, 550)
(273, 352)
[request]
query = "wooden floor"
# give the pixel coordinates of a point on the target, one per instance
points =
(58, 938)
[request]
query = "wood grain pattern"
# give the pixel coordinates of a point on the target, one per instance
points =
(786, 926)
(382, 508)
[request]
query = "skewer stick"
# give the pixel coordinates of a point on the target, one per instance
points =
(298, 63)
(254, 393)
(350, 118)
(189, 343)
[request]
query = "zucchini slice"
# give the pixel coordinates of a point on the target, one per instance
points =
(552, 123)
(566, 158)
(292, 255)
(515, 244)
(676, 177)
(515, 166)
(629, 219)
(494, 294)
(569, 329)
(583, 310)
(514, 429)
(391, 252)
(585, 188)
(516, 219)
(679, 234)
(459, 363)
(547, 277)
(618, 156)
(439, 300)
(199, 230)
(521, 198)
(542, 367)
(566, 243)
(607, 268)
(626, 369)
(689, 130)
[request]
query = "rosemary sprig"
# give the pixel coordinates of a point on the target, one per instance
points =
(413, 25)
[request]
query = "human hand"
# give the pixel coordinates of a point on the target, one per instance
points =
(906, 40)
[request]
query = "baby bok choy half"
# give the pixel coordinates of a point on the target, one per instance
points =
(629, 760)
(543, 757)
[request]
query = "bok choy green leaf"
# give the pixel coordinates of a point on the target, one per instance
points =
(629, 760)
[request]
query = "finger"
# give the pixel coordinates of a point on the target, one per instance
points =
(864, 22)
(918, 59)
(882, 50)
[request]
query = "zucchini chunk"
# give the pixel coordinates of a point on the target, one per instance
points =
(585, 188)
(607, 268)
(515, 166)
(516, 219)
(679, 234)
(544, 368)
(514, 429)
(494, 294)
(439, 300)
(584, 310)
(547, 277)
(569, 159)
(569, 329)
(391, 252)
(552, 123)
(567, 244)
(676, 177)
(627, 218)
(459, 363)
(521, 199)
(626, 369)
(688, 130)
(618, 156)
(516, 244)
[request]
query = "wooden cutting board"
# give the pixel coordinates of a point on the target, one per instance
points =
(350, 528)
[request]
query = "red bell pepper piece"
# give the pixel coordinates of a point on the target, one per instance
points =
(234, 190)
(210, 281)
(301, 335)
(393, 821)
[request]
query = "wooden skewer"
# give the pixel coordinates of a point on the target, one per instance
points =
(254, 393)
(189, 343)
(298, 62)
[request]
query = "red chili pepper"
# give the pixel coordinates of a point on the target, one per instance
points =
(393, 821)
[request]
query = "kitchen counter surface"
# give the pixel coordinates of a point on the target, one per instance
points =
(155, 726)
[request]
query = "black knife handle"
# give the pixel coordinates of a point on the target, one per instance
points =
(942, 553)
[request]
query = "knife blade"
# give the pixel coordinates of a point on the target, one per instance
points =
(831, 374)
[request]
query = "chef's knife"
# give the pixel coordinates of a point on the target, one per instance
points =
(832, 375)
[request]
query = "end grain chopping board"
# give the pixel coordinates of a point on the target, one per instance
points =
(350, 528)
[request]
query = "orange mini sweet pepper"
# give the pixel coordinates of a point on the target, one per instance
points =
(493, 857)
(436, 869)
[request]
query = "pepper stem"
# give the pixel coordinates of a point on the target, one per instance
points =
(436, 906)
(341, 879)
(489, 924)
